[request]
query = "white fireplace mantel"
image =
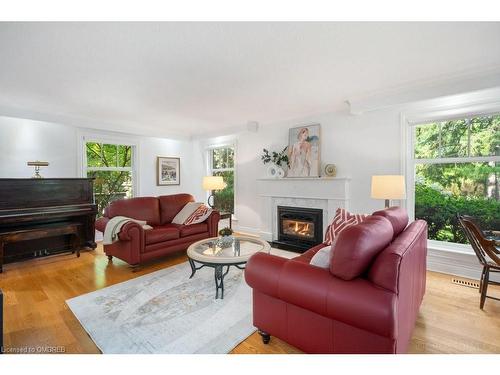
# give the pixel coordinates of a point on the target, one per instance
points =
(326, 193)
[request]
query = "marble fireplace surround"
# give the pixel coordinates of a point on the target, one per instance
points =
(325, 193)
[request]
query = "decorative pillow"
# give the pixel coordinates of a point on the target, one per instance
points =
(200, 215)
(357, 245)
(186, 212)
(322, 257)
(342, 220)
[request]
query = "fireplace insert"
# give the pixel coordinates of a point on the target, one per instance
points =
(299, 228)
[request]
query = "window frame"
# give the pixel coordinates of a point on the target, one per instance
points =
(84, 138)
(211, 170)
(409, 122)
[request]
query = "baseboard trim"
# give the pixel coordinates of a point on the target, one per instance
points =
(455, 263)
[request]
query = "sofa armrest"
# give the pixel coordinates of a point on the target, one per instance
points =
(262, 272)
(127, 231)
(100, 224)
(213, 223)
(130, 230)
(358, 302)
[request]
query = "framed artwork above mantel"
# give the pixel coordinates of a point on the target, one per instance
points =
(168, 171)
(304, 151)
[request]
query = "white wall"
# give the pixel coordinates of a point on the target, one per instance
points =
(150, 149)
(360, 146)
(22, 140)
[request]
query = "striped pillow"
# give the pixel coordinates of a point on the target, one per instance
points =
(342, 220)
(200, 215)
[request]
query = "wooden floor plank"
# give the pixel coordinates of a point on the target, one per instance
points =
(35, 312)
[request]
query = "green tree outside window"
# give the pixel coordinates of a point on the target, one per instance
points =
(111, 167)
(469, 187)
(222, 164)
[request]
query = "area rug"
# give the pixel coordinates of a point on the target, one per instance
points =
(166, 312)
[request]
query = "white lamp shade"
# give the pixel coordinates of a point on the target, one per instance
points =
(213, 183)
(388, 187)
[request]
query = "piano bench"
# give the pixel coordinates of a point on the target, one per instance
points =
(42, 231)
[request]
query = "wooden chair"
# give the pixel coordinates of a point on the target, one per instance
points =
(486, 252)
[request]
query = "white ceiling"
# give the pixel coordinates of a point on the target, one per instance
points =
(194, 78)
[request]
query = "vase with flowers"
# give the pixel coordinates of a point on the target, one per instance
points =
(278, 160)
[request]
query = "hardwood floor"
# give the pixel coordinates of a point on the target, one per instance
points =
(35, 313)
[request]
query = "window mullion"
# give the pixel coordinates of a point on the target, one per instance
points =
(468, 136)
(459, 160)
(440, 150)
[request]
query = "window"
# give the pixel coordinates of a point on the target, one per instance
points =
(221, 163)
(112, 167)
(457, 170)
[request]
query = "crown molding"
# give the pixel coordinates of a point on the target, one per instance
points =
(92, 124)
(404, 95)
(227, 131)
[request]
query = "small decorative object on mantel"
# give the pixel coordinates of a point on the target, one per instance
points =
(304, 151)
(278, 161)
(330, 170)
(168, 171)
(37, 164)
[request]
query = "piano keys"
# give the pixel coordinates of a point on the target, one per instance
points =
(62, 209)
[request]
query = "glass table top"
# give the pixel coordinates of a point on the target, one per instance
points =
(237, 249)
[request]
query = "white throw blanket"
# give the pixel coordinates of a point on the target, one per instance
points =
(114, 226)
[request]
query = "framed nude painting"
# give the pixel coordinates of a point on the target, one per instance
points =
(304, 151)
(168, 171)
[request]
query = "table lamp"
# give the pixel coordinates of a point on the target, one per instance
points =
(37, 164)
(213, 183)
(388, 187)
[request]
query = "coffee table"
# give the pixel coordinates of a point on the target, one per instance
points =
(209, 253)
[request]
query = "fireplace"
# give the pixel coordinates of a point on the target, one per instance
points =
(299, 228)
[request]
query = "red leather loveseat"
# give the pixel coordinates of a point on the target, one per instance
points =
(318, 312)
(137, 245)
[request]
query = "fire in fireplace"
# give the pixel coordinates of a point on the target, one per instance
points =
(299, 228)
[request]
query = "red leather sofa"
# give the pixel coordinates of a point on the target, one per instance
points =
(137, 245)
(319, 312)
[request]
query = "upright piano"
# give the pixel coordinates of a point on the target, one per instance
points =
(45, 216)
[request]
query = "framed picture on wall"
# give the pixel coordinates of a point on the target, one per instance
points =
(304, 151)
(168, 171)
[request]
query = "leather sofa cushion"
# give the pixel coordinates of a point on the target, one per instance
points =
(141, 208)
(189, 230)
(357, 245)
(171, 205)
(385, 270)
(161, 234)
(397, 216)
